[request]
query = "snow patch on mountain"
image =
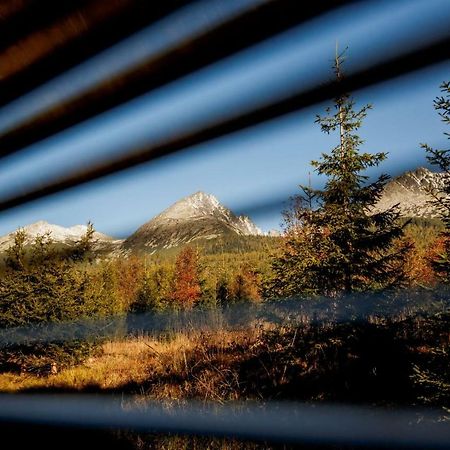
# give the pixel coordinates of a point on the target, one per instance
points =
(57, 233)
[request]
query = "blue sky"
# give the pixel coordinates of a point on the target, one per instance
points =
(261, 165)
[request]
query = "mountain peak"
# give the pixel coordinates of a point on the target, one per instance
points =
(194, 205)
(422, 171)
(40, 224)
(201, 198)
(418, 175)
(197, 216)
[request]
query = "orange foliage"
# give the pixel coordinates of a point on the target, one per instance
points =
(419, 263)
(435, 252)
(246, 285)
(187, 289)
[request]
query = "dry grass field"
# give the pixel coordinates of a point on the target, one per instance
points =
(380, 362)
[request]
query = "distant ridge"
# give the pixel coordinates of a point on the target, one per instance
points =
(57, 233)
(411, 192)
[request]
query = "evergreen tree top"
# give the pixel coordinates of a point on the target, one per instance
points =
(334, 244)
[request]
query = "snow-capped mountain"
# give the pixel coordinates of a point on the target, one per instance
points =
(411, 191)
(57, 233)
(199, 216)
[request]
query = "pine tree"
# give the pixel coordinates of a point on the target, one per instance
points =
(154, 290)
(334, 243)
(223, 295)
(15, 255)
(83, 248)
(441, 197)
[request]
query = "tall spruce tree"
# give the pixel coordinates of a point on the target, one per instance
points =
(441, 197)
(334, 243)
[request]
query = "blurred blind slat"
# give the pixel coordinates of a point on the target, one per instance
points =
(405, 63)
(183, 42)
(41, 39)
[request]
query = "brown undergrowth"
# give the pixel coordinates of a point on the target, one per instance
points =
(401, 362)
(385, 362)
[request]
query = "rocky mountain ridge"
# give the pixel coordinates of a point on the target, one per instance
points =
(412, 192)
(198, 216)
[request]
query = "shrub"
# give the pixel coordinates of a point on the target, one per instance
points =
(42, 286)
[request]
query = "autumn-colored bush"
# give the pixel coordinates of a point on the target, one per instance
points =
(246, 286)
(186, 288)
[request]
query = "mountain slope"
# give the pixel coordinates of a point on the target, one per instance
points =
(412, 192)
(199, 216)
